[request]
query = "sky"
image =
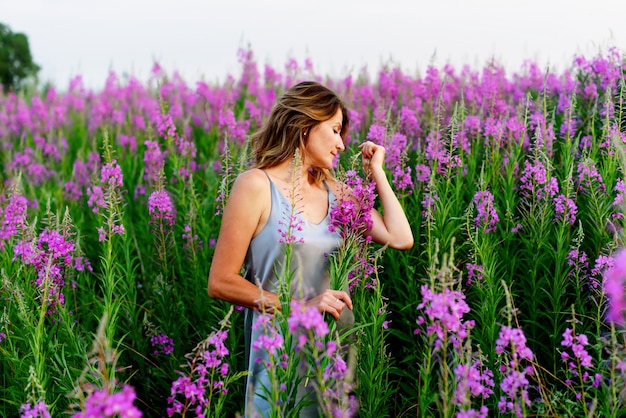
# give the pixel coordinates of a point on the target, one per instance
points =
(200, 38)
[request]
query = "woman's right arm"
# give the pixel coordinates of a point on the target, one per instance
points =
(246, 207)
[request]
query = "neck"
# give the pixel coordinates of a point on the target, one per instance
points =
(290, 171)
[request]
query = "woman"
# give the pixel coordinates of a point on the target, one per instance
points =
(294, 154)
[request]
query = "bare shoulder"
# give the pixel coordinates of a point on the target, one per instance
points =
(252, 181)
(249, 204)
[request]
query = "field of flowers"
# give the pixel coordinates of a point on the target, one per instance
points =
(510, 302)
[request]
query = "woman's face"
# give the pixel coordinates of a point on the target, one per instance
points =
(324, 142)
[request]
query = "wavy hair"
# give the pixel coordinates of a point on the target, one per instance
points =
(297, 111)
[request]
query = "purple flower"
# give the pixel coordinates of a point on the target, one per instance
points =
(308, 318)
(153, 160)
(289, 230)
(192, 242)
(38, 410)
(111, 175)
(52, 256)
(354, 214)
(474, 271)
(422, 173)
(472, 380)
(589, 178)
(100, 403)
(162, 344)
(13, 218)
(161, 207)
(487, 216)
(511, 348)
(565, 209)
(445, 312)
(205, 378)
(613, 286)
(620, 188)
(72, 191)
(96, 198)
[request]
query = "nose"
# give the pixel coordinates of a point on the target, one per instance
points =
(340, 144)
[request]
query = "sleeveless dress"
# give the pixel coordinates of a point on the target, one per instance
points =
(265, 254)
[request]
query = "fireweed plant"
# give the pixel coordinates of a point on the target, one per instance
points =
(305, 357)
(522, 173)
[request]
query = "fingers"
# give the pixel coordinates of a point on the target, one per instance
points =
(344, 297)
(368, 148)
(334, 301)
(373, 155)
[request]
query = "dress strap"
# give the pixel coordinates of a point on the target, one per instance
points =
(267, 175)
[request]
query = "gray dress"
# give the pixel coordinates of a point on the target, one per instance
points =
(266, 255)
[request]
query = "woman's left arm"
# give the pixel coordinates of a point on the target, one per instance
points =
(392, 227)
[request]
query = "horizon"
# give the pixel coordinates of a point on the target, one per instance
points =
(200, 41)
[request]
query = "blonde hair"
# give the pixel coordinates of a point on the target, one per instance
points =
(297, 111)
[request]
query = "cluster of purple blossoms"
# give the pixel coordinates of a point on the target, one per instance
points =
(534, 181)
(153, 161)
(308, 324)
(106, 196)
(186, 149)
(394, 157)
(236, 130)
(2, 336)
(115, 229)
(487, 216)
(614, 281)
(472, 413)
(445, 312)
(422, 173)
(577, 259)
(308, 319)
(579, 361)
(377, 133)
(72, 191)
(565, 209)
(162, 344)
(111, 175)
(620, 188)
(13, 218)
(127, 141)
(354, 215)
(38, 410)
(402, 179)
(161, 208)
(438, 151)
(165, 125)
(429, 205)
(511, 347)
(111, 180)
(602, 264)
(271, 340)
(52, 254)
(589, 178)
(192, 242)
(33, 170)
(207, 369)
(96, 198)
(474, 272)
(289, 230)
(101, 403)
(472, 380)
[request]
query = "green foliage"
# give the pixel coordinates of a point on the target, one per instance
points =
(16, 62)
